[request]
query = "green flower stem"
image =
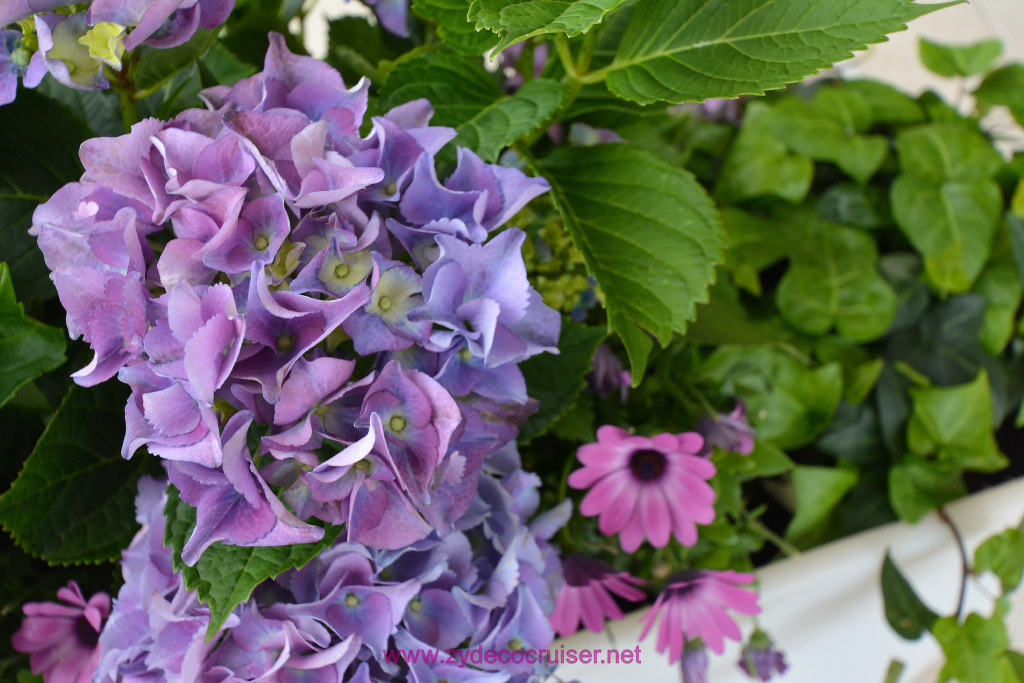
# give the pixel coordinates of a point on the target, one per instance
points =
(784, 546)
(565, 56)
(965, 565)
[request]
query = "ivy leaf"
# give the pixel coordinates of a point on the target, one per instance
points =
(956, 60)
(904, 611)
(28, 348)
(955, 424)
(74, 500)
(818, 491)
(517, 20)
(226, 575)
(468, 98)
(830, 129)
(1000, 285)
(691, 50)
(556, 381)
(789, 403)
(917, 486)
(649, 234)
(973, 649)
(156, 67)
(759, 164)
(946, 202)
(887, 104)
(1004, 86)
(453, 27)
(832, 282)
(40, 139)
(1003, 555)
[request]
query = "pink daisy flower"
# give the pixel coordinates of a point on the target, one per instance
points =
(646, 487)
(695, 607)
(63, 641)
(585, 595)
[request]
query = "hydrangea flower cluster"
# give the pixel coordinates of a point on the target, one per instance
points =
(74, 46)
(259, 269)
(343, 616)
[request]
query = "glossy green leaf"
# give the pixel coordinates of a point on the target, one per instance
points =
(759, 164)
(691, 50)
(517, 20)
(904, 611)
(648, 233)
(955, 424)
(832, 281)
(818, 491)
(1004, 86)
(28, 348)
(946, 202)
(973, 649)
(74, 500)
(557, 380)
(453, 26)
(1003, 555)
(830, 128)
(887, 104)
(789, 403)
(917, 486)
(156, 67)
(40, 139)
(1000, 284)
(225, 575)
(960, 60)
(468, 98)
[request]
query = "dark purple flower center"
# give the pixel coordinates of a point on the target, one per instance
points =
(86, 634)
(647, 464)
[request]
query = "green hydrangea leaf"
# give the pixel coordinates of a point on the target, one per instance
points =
(517, 20)
(28, 348)
(557, 380)
(466, 97)
(156, 67)
(40, 139)
(691, 50)
(649, 234)
(226, 575)
(959, 60)
(904, 610)
(453, 26)
(74, 500)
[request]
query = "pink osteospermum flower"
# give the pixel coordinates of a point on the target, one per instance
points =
(585, 596)
(695, 607)
(63, 640)
(646, 487)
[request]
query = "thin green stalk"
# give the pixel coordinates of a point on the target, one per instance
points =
(565, 56)
(787, 548)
